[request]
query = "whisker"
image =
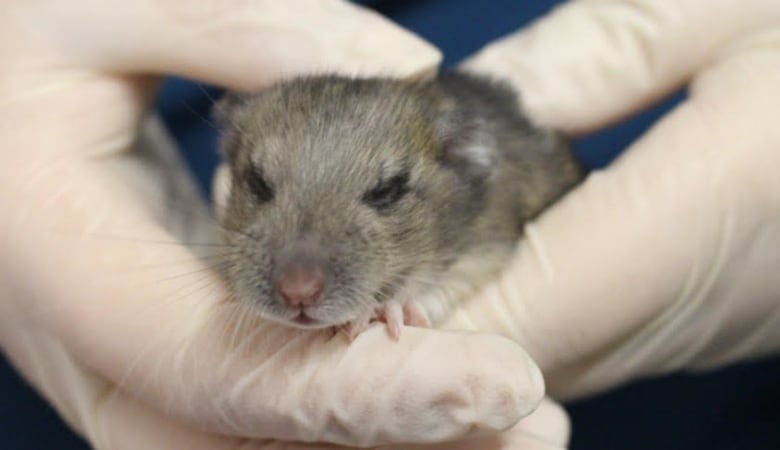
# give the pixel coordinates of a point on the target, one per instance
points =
(209, 260)
(206, 93)
(200, 116)
(193, 272)
(161, 242)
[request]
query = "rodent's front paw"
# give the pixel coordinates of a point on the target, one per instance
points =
(394, 313)
(355, 327)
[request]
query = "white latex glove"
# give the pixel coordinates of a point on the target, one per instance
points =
(121, 328)
(669, 258)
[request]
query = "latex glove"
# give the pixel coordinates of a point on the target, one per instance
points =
(669, 258)
(120, 327)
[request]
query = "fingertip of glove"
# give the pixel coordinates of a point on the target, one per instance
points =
(477, 383)
(515, 379)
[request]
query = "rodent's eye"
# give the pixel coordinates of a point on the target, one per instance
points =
(387, 192)
(259, 187)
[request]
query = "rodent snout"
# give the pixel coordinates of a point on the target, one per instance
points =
(300, 279)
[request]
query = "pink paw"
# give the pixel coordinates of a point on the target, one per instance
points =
(354, 328)
(394, 314)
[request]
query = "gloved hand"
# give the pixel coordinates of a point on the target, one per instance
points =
(668, 259)
(120, 327)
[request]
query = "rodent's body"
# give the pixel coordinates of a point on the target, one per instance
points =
(348, 193)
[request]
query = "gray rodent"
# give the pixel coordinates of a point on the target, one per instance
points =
(350, 196)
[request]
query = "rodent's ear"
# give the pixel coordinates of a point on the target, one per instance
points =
(467, 147)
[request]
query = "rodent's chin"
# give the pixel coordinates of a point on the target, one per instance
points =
(303, 321)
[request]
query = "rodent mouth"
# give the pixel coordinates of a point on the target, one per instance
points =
(303, 319)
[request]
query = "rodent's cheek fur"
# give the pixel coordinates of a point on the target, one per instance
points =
(357, 266)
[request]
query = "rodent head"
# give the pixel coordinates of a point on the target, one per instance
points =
(345, 192)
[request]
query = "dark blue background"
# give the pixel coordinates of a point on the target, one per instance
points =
(736, 408)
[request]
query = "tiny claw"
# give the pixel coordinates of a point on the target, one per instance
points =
(353, 328)
(393, 314)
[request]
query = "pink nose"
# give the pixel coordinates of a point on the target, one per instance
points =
(301, 284)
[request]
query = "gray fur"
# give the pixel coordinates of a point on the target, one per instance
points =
(478, 170)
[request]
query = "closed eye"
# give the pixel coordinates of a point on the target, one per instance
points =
(259, 186)
(387, 192)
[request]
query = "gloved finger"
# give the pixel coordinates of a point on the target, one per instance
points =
(110, 419)
(121, 423)
(549, 424)
(659, 262)
(589, 63)
(240, 44)
(546, 429)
